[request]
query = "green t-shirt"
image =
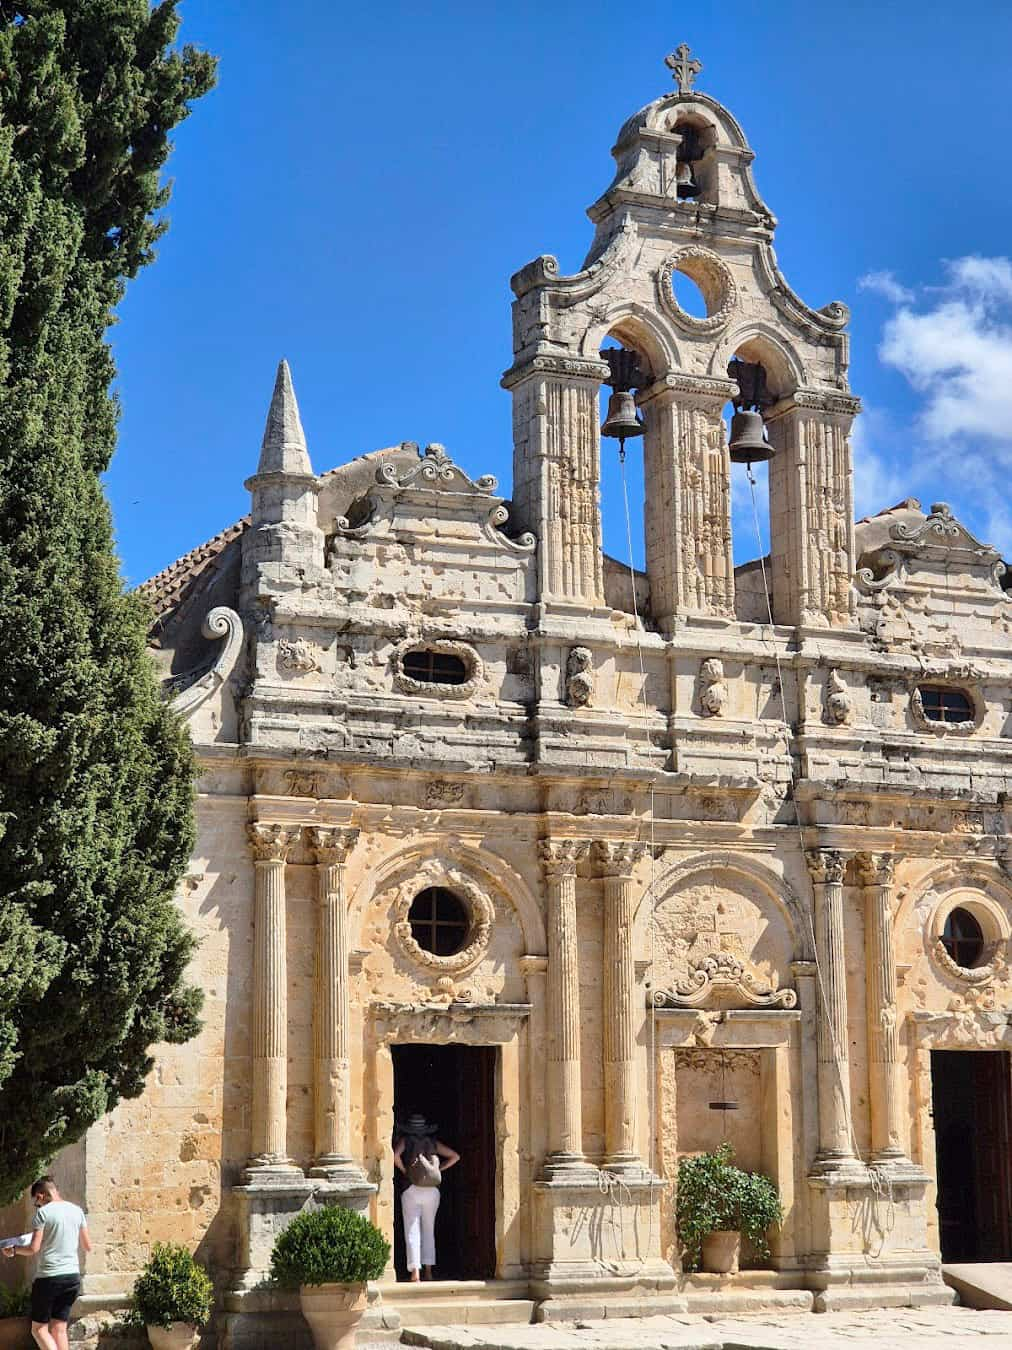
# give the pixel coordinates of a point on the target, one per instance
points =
(61, 1224)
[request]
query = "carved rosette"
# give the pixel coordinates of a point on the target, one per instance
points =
(481, 913)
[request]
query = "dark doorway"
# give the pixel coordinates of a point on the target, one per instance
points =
(971, 1097)
(453, 1086)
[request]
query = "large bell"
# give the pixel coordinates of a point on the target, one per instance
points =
(748, 444)
(621, 422)
(686, 185)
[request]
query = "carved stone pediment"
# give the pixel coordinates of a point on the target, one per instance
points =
(433, 492)
(721, 979)
(928, 545)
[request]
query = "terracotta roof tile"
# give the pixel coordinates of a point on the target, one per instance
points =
(165, 590)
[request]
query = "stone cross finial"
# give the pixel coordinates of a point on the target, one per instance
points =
(683, 66)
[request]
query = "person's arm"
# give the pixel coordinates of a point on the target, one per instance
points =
(84, 1238)
(399, 1156)
(32, 1249)
(448, 1155)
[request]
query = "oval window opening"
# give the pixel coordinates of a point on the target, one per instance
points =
(439, 921)
(942, 704)
(963, 938)
(430, 667)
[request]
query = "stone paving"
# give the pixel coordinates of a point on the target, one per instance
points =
(915, 1329)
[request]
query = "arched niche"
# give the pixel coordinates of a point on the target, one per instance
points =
(760, 343)
(641, 329)
(720, 903)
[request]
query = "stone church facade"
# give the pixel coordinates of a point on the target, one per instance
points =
(570, 857)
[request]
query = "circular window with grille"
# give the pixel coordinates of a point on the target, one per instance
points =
(963, 938)
(440, 922)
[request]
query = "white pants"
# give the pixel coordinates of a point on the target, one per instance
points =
(419, 1205)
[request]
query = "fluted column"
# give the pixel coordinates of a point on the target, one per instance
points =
(332, 1008)
(270, 845)
(876, 870)
(827, 867)
(688, 503)
(616, 863)
(557, 470)
(565, 1139)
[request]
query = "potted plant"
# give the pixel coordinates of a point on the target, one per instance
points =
(172, 1298)
(716, 1204)
(15, 1322)
(329, 1254)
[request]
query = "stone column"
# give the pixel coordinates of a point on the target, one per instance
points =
(565, 1138)
(688, 503)
(557, 470)
(812, 508)
(876, 871)
(835, 1148)
(617, 862)
(332, 1010)
(270, 845)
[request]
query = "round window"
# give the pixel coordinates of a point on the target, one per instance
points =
(440, 922)
(963, 938)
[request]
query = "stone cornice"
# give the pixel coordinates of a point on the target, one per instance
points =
(564, 367)
(703, 388)
(829, 401)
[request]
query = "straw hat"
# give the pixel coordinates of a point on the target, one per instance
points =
(417, 1124)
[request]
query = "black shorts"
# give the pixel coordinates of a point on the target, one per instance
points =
(53, 1297)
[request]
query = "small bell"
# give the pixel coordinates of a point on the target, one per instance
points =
(748, 444)
(621, 422)
(686, 185)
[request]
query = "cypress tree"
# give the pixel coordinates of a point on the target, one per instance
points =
(96, 773)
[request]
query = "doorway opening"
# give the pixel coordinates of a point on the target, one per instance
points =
(971, 1097)
(453, 1086)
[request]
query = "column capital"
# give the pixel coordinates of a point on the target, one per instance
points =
(617, 858)
(876, 869)
(270, 843)
(560, 857)
(826, 864)
(704, 390)
(829, 402)
(551, 366)
(331, 844)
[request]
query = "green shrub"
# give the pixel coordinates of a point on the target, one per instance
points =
(331, 1245)
(15, 1302)
(714, 1196)
(172, 1288)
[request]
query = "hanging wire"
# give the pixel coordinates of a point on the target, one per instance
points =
(880, 1182)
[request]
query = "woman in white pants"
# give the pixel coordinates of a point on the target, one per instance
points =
(423, 1159)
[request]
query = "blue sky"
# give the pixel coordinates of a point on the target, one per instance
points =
(359, 188)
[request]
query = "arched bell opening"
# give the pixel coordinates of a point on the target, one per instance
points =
(751, 450)
(695, 158)
(624, 428)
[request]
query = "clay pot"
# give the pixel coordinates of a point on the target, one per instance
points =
(333, 1312)
(720, 1253)
(176, 1336)
(16, 1333)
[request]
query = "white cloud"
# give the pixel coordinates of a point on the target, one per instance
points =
(885, 283)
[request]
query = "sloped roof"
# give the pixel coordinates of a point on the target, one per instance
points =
(166, 589)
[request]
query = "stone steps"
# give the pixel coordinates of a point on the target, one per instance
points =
(461, 1302)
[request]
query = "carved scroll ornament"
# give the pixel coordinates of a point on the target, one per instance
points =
(221, 622)
(721, 977)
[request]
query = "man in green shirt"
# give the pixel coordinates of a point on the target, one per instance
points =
(59, 1233)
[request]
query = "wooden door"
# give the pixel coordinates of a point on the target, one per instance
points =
(477, 1166)
(993, 1121)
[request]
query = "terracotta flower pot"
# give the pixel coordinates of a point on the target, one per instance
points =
(176, 1336)
(720, 1253)
(16, 1333)
(333, 1312)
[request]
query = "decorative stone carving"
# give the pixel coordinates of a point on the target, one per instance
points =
(712, 689)
(430, 689)
(579, 677)
(481, 912)
(439, 792)
(826, 864)
(713, 277)
(839, 704)
(723, 978)
(618, 858)
(221, 622)
(684, 67)
(560, 857)
(939, 728)
(270, 843)
(297, 656)
(993, 962)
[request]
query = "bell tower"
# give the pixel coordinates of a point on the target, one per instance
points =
(683, 209)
